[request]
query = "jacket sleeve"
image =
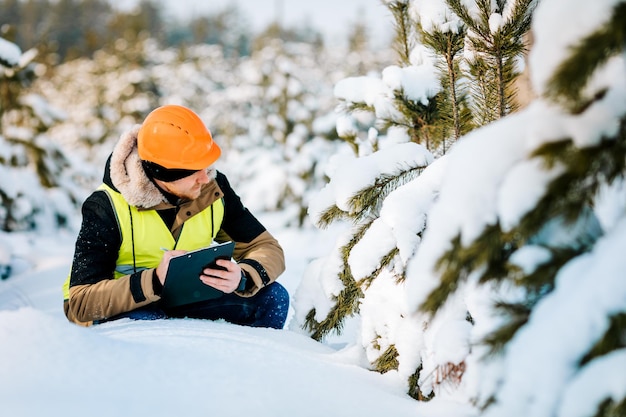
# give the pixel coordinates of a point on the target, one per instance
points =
(258, 253)
(94, 294)
(110, 297)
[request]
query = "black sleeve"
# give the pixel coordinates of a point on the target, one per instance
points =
(98, 242)
(238, 222)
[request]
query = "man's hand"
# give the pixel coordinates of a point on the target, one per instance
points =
(161, 270)
(226, 280)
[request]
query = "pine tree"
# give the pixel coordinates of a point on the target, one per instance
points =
(429, 54)
(425, 122)
(495, 32)
(563, 227)
(412, 120)
(447, 42)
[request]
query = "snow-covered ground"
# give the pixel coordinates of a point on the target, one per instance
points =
(49, 367)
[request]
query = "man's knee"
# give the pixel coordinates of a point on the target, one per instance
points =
(278, 292)
(272, 307)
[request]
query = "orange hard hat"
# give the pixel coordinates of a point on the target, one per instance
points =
(175, 138)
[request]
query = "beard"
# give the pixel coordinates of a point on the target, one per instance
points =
(190, 193)
(183, 192)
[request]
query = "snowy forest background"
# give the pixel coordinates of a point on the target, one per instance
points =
(479, 162)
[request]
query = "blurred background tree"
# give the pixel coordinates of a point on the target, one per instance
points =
(37, 190)
(267, 95)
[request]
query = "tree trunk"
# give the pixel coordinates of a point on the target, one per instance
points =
(453, 97)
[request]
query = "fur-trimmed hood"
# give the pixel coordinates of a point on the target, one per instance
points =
(129, 178)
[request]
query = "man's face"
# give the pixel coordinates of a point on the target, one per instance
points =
(188, 187)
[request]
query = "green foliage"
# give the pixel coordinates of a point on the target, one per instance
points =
(366, 203)
(357, 37)
(567, 84)
(225, 27)
(387, 361)
(330, 215)
(385, 262)
(487, 254)
(14, 80)
(567, 196)
(433, 122)
(346, 306)
(487, 78)
(346, 302)
(364, 209)
(577, 174)
(610, 408)
(586, 169)
(541, 280)
(67, 28)
(275, 31)
(495, 51)
(414, 390)
(614, 338)
(517, 315)
(454, 112)
(404, 39)
(471, 94)
(421, 121)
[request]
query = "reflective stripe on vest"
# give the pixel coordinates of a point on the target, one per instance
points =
(147, 233)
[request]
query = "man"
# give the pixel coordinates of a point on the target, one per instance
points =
(160, 191)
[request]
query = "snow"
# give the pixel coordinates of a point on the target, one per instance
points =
(48, 115)
(171, 367)
(495, 22)
(346, 126)
(553, 42)
(175, 367)
(390, 160)
(611, 204)
(521, 189)
(418, 83)
(434, 15)
(10, 53)
(489, 178)
(529, 258)
(463, 209)
(593, 384)
(598, 121)
(359, 89)
(592, 283)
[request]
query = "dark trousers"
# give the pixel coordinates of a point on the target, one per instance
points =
(267, 308)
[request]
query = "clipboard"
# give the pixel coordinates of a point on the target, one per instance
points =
(182, 283)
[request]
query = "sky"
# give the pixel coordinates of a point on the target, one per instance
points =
(331, 17)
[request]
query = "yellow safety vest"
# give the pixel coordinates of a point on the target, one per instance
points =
(144, 234)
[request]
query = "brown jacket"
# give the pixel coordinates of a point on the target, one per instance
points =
(95, 295)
